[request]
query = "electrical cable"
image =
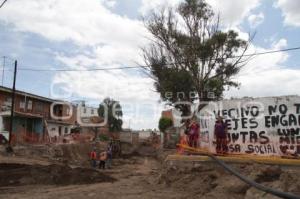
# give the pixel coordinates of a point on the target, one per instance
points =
(26, 68)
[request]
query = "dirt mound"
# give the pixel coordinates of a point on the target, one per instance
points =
(72, 154)
(78, 154)
(21, 174)
(208, 180)
(142, 149)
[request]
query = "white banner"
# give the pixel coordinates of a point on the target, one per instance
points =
(263, 126)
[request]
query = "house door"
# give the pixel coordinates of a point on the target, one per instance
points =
(29, 128)
(59, 130)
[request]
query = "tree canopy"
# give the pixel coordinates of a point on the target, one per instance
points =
(189, 53)
(113, 111)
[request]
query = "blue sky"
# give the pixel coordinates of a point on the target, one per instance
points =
(108, 33)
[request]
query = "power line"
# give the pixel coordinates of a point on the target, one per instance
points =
(269, 52)
(24, 68)
(88, 69)
(3, 3)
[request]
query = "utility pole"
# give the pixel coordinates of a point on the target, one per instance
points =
(9, 149)
(3, 70)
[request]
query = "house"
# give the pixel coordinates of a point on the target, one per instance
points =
(36, 118)
(62, 120)
(90, 123)
(86, 114)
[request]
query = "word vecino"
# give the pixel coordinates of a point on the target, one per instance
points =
(242, 112)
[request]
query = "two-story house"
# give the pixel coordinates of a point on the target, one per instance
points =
(36, 118)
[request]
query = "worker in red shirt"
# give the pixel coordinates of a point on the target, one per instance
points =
(93, 158)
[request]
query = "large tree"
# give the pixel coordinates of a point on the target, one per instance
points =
(111, 109)
(190, 53)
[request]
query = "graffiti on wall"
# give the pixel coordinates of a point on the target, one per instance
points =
(267, 126)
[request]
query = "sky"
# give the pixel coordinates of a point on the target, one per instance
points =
(80, 34)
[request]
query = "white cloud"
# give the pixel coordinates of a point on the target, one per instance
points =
(290, 11)
(134, 92)
(282, 43)
(109, 3)
(256, 19)
(266, 75)
(270, 82)
(233, 12)
(262, 63)
(84, 22)
(114, 41)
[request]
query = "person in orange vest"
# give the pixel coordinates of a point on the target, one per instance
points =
(183, 142)
(93, 158)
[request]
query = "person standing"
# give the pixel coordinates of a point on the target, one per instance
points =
(109, 156)
(221, 136)
(195, 128)
(102, 158)
(93, 158)
(188, 132)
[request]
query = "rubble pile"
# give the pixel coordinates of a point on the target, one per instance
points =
(208, 180)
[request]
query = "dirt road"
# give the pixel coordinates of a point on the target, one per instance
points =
(136, 176)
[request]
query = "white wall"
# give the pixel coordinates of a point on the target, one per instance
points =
(252, 132)
(87, 111)
(144, 134)
(176, 118)
(126, 137)
(53, 129)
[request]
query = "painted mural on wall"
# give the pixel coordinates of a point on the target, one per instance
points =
(264, 126)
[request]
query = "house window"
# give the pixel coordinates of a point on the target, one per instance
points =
(39, 107)
(84, 110)
(6, 104)
(66, 130)
(92, 111)
(22, 104)
(29, 105)
(8, 100)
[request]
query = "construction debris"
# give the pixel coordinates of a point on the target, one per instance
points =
(142, 171)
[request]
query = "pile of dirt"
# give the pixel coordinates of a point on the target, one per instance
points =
(142, 149)
(72, 154)
(208, 180)
(21, 174)
(78, 154)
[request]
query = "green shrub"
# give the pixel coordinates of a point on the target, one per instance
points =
(164, 123)
(104, 137)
